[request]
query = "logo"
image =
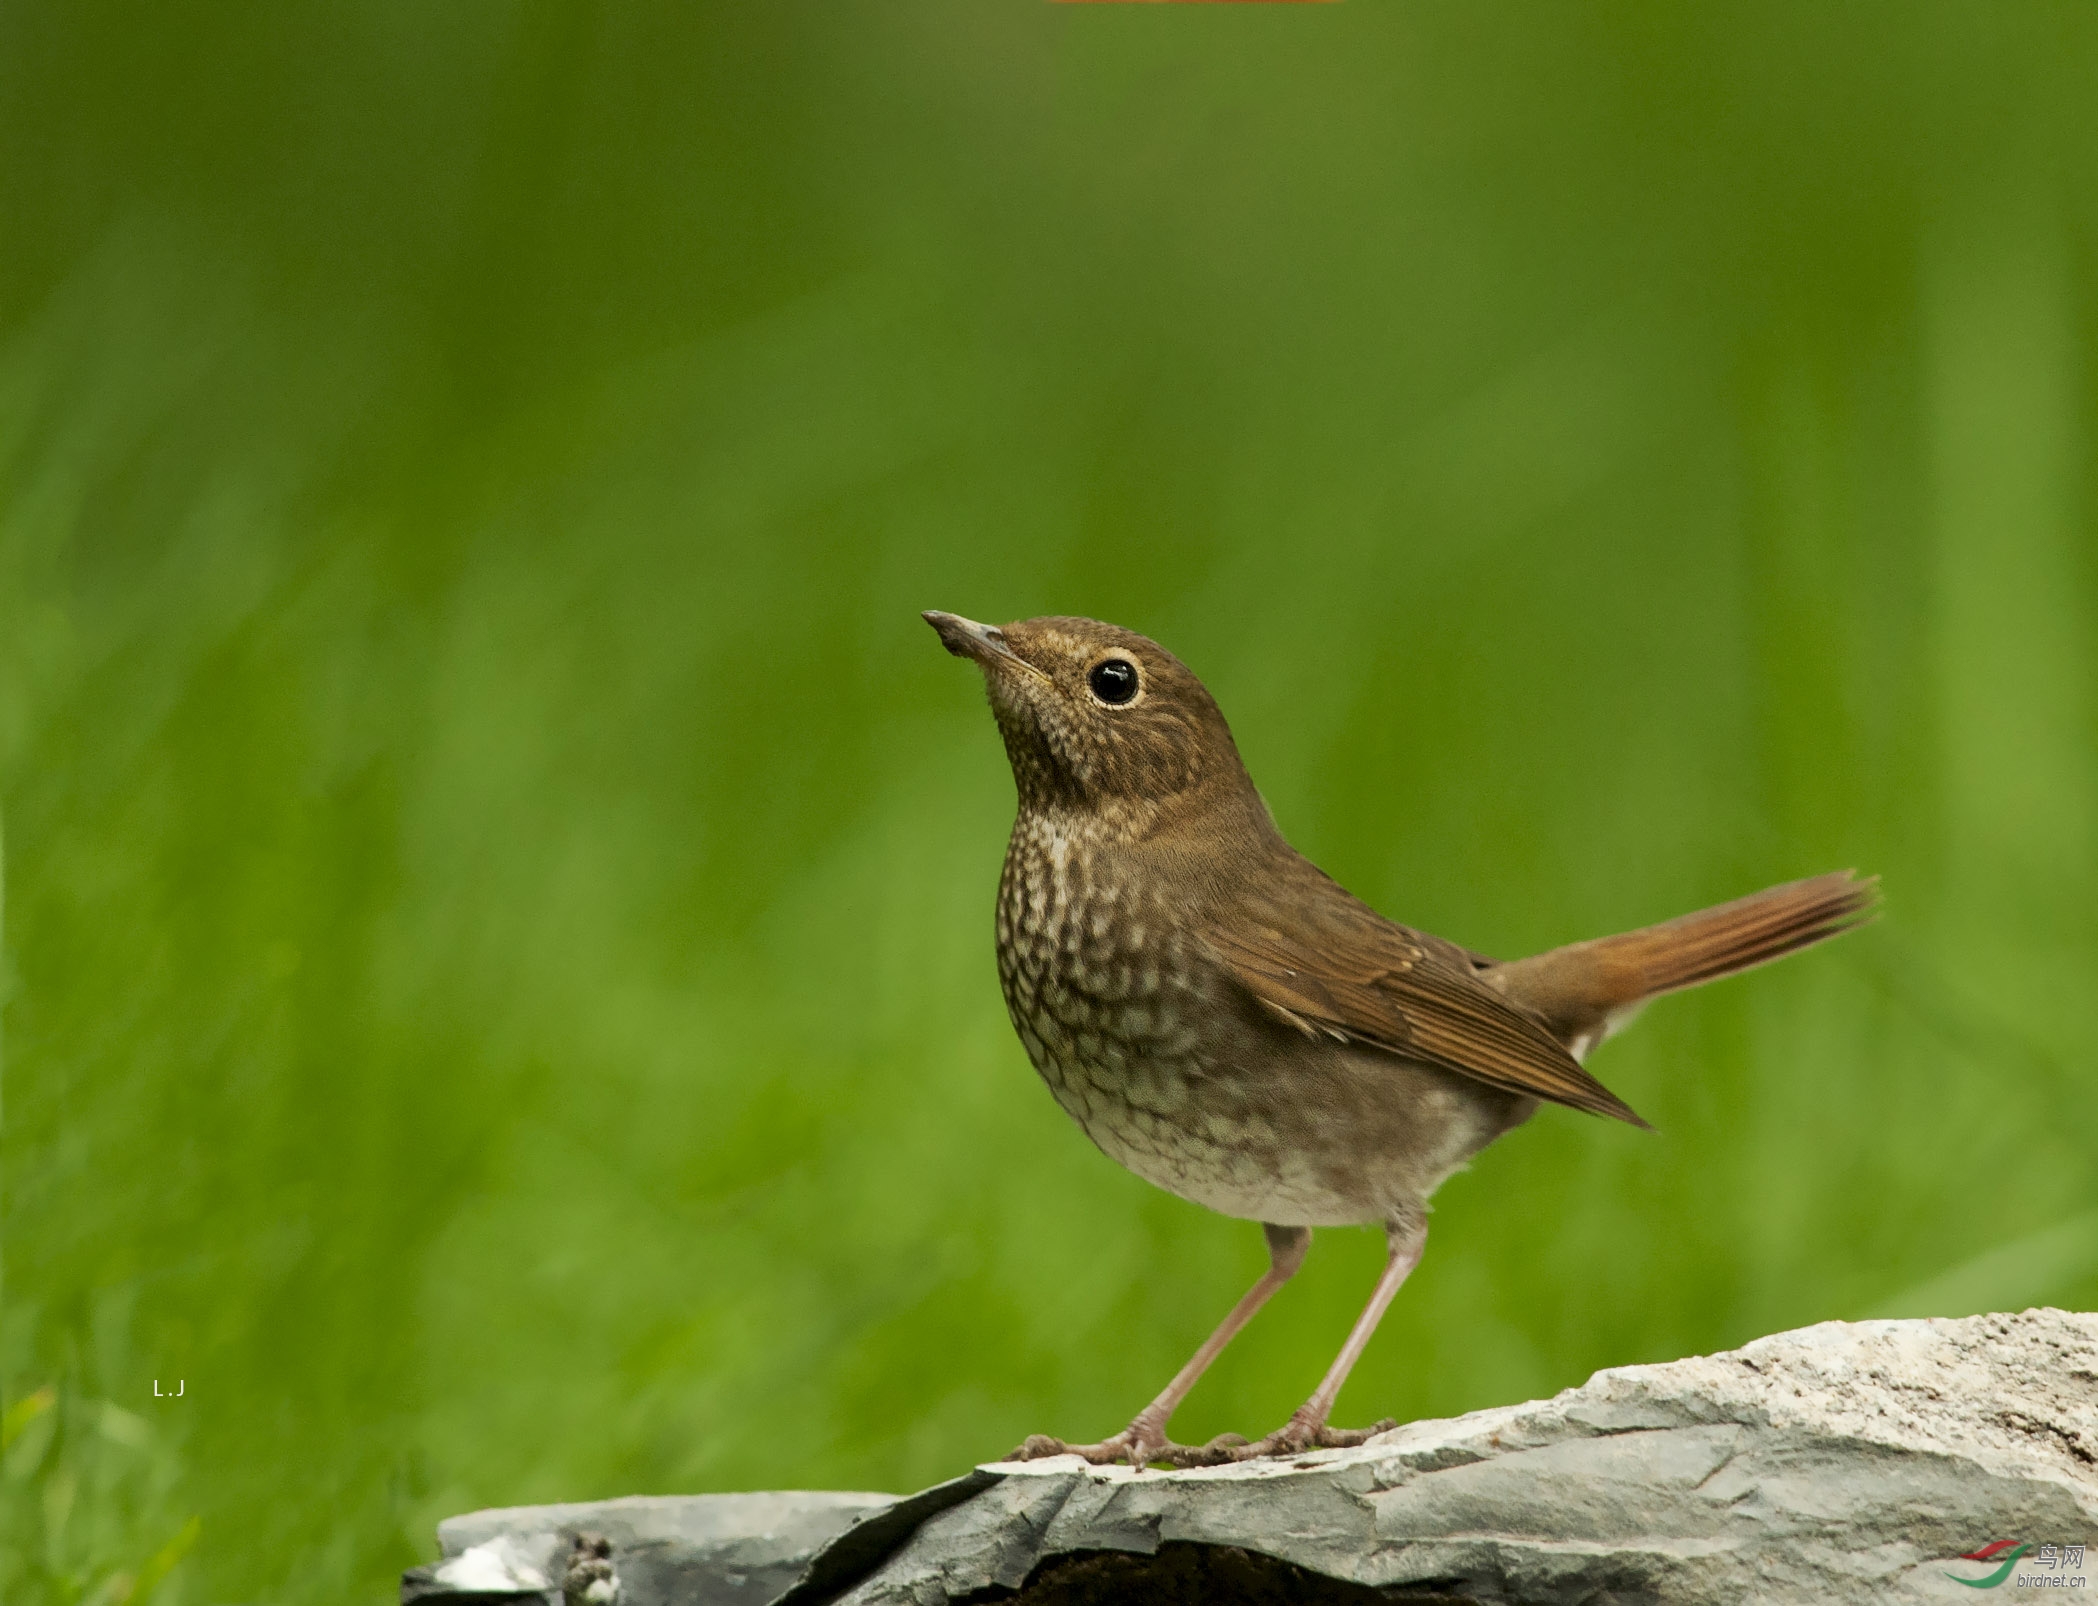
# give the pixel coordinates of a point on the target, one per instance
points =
(2053, 1563)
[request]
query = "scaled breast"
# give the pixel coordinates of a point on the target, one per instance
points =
(1097, 984)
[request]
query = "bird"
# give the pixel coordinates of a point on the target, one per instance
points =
(1225, 1020)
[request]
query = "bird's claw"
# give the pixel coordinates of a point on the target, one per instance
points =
(1298, 1434)
(1038, 1447)
(1140, 1444)
(1220, 1451)
(1143, 1444)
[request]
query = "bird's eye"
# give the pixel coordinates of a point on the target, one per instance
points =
(1113, 680)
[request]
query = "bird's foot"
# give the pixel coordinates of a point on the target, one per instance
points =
(1301, 1433)
(1144, 1443)
(1141, 1444)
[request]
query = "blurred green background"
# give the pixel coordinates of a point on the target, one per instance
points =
(500, 999)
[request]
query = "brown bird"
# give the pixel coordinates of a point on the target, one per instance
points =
(1229, 1023)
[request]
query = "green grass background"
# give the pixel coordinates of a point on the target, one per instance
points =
(498, 959)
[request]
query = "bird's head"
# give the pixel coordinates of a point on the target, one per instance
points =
(1097, 716)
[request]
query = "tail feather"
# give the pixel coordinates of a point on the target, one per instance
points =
(1582, 990)
(1750, 931)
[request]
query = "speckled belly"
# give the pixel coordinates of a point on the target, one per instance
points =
(1144, 1044)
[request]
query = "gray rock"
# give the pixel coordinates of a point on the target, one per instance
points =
(735, 1549)
(1844, 1460)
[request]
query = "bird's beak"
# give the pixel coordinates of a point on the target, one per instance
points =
(965, 638)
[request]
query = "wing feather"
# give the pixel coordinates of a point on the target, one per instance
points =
(1350, 973)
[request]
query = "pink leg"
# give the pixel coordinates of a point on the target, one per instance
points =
(1306, 1428)
(1144, 1440)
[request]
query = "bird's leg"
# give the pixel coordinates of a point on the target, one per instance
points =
(1144, 1440)
(1306, 1429)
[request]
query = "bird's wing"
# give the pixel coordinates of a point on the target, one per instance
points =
(1329, 965)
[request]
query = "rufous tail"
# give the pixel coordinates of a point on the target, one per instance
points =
(1581, 992)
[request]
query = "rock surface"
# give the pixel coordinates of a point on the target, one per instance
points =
(736, 1549)
(1857, 1460)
